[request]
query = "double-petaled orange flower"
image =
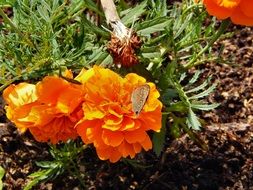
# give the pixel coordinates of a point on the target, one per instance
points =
(99, 109)
(49, 109)
(109, 122)
(240, 11)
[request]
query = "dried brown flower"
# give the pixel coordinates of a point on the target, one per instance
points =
(123, 49)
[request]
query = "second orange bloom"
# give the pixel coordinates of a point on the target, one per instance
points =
(239, 11)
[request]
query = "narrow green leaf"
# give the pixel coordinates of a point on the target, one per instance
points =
(205, 107)
(43, 12)
(31, 183)
(37, 177)
(182, 26)
(195, 77)
(182, 77)
(150, 26)
(47, 164)
(159, 138)
(192, 120)
(204, 93)
(133, 13)
(88, 25)
(90, 4)
(38, 174)
(163, 8)
(96, 55)
(200, 87)
(151, 55)
(108, 60)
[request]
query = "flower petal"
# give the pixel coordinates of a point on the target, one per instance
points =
(214, 9)
(21, 94)
(113, 139)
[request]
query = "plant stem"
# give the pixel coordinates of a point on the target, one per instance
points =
(110, 11)
(221, 30)
(112, 18)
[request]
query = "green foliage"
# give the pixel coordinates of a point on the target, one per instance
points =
(64, 160)
(1, 177)
(43, 35)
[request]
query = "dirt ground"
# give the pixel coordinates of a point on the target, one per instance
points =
(183, 165)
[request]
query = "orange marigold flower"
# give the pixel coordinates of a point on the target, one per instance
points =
(20, 99)
(109, 122)
(47, 109)
(240, 11)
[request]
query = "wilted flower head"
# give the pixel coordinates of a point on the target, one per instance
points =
(123, 45)
(109, 122)
(47, 109)
(240, 11)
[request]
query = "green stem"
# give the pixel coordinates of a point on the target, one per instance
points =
(221, 30)
(194, 136)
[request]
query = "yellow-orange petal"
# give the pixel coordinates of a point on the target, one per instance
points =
(134, 79)
(50, 88)
(146, 144)
(111, 120)
(137, 147)
(126, 149)
(128, 124)
(58, 129)
(108, 153)
(111, 138)
(151, 120)
(66, 103)
(88, 130)
(36, 115)
(84, 75)
(92, 112)
(21, 94)
(227, 3)
(138, 135)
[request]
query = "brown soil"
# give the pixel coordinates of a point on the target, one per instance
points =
(226, 165)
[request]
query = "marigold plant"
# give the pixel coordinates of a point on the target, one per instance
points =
(115, 110)
(240, 11)
(47, 109)
(109, 122)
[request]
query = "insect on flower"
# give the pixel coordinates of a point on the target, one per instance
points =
(139, 97)
(68, 79)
